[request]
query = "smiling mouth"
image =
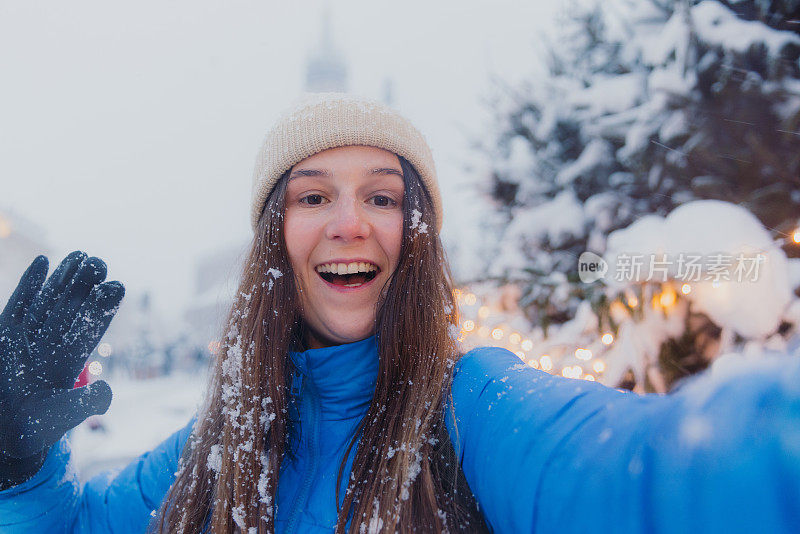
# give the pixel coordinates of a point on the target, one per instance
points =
(350, 274)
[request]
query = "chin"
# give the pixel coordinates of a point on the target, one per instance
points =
(341, 334)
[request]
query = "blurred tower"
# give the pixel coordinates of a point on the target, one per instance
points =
(326, 69)
(388, 91)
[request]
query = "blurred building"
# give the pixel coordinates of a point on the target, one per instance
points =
(20, 242)
(326, 68)
(216, 278)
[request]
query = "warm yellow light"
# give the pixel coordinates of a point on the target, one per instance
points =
(483, 312)
(607, 338)
(686, 289)
(457, 293)
(574, 371)
(104, 349)
(618, 310)
(469, 325)
(483, 331)
(546, 362)
(599, 366)
(497, 333)
(668, 297)
(514, 338)
(96, 368)
(533, 363)
(583, 354)
(796, 236)
(590, 378)
(527, 344)
(632, 300)
(470, 299)
(5, 227)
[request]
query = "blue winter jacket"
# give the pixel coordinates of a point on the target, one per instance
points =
(541, 453)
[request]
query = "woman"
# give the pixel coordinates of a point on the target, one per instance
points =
(339, 401)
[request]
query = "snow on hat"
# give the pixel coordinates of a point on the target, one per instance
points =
(328, 120)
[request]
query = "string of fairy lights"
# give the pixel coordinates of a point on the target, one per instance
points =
(483, 322)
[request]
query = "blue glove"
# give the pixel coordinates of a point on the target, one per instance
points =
(47, 331)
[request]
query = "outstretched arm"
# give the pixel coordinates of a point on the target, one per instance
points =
(549, 454)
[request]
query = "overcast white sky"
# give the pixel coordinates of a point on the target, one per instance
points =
(129, 130)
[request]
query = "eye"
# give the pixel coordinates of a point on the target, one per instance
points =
(312, 200)
(383, 201)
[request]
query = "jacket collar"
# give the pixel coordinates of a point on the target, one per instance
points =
(342, 377)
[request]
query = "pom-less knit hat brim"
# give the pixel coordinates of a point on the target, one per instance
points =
(329, 120)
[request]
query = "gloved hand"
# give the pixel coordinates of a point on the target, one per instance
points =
(47, 331)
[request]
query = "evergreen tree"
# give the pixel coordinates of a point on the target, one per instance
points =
(648, 104)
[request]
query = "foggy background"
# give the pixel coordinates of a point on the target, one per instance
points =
(129, 130)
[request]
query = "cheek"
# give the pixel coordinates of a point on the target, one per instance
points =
(392, 238)
(297, 241)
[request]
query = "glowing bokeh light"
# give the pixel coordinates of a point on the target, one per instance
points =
(96, 368)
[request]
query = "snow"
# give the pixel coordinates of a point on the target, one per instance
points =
(610, 94)
(717, 25)
(421, 227)
(696, 430)
(143, 413)
(596, 153)
(375, 522)
(556, 219)
(238, 516)
(215, 458)
(752, 307)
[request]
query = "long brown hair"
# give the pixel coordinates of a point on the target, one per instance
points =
(405, 476)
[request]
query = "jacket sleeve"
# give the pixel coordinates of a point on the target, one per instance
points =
(54, 502)
(550, 454)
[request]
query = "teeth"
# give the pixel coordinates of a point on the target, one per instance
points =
(346, 268)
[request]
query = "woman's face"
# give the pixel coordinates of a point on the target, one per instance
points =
(344, 214)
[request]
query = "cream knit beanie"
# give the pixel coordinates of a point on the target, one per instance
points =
(329, 120)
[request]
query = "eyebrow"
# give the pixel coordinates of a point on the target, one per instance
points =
(382, 171)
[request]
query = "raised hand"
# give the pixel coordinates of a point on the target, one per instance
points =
(47, 331)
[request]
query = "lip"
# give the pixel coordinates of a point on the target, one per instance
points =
(343, 289)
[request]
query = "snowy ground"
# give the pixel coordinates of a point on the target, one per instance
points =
(142, 414)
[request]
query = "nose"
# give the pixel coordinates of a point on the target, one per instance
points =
(348, 221)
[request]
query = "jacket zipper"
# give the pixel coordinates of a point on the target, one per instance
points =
(312, 408)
